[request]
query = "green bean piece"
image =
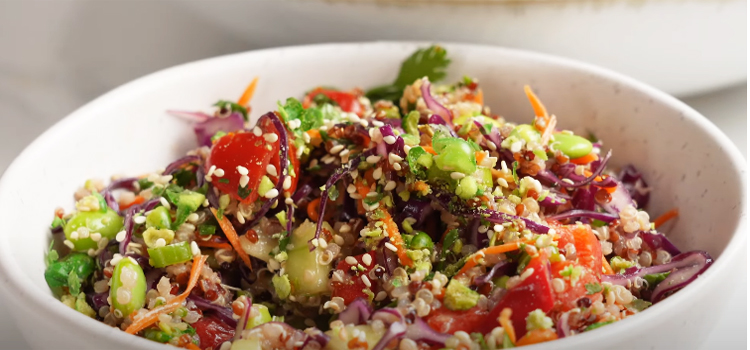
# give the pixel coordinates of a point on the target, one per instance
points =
(128, 291)
(572, 146)
(421, 241)
(159, 218)
(170, 254)
(86, 228)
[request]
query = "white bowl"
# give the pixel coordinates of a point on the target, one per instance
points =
(683, 47)
(687, 160)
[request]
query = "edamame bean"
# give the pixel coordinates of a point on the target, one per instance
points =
(159, 218)
(86, 228)
(57, 272)
(421, 241)
(572, 146)
(128, 292)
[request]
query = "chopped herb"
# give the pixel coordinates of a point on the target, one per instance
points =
(102, 202)
(220, 213)
(234, 107)
(224, 181)
(52, 255)
(219, 134)
(144, 184)
(184, 178)
(333, 193)
(206, 229)
(638, 305)
(284, 242)
(487, 128)
(322, 99)
(57, 222)
(243, 192)
(515, 172)
(593, 288)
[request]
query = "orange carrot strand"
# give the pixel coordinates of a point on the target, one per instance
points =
(248, 94)
(536, 104)
(666, 217)
(233, 238)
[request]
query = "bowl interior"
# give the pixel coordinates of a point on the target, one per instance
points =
(127, 132)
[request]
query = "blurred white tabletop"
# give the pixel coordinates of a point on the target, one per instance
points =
(56, 65)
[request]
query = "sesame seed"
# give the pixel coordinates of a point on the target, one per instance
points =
(345, 228)
(289, 201)
(374, 206)
(219, 172)
(355, 196)
(344, 153)
(502, 182)
(367, 259)
(351, 189)
(91, 252)
(69, 244)
(377, 123)
(568, 181)
(164, 203)
(120, 236)
(373, 159)
(353, 118)
(271, 137)
(322, 243)
(354, 174)
(350, 260)
(287, 182)
(377, 173)
(211, 170)
(336, 149)
(396, 166)
(390, 185)
(389, 139)
(193, 217)
(457, 176)
(407, 148)
(338, 240)
(115, 259)
(242, 170)
(244, 180)
(194, 248)
(315, 242)
(271, 170)
(372, 194)
(393, 158)
(74, 235)
(363, 123)
(240, 218)
(390, 246)
(272, 193)
(328, 159)
(257, 132)
(96, 237)
(139, 219)
(208, 178)
(491, 145)
(366, 281)
(499, 228)
(306, 137)
(160, 243)
(482, 229)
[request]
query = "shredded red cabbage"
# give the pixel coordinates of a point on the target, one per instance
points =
(579, 213)
(208, 128)
(433, 104)
(659, 241)
(129, 224)
(196, 117)
(444, 199)
(223, 313)
(358, 312)
(633, 181)
(179, 163)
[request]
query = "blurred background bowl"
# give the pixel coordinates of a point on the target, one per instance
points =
(683, 47)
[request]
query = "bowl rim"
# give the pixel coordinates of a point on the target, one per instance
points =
(15, 283)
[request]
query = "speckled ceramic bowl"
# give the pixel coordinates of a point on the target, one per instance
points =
(686, 159)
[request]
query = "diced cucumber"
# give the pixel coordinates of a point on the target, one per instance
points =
(340, 339)
(305, 274)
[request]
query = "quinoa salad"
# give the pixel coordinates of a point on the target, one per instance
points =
(407, 216)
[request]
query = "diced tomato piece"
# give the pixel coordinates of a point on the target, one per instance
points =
(588, 249)
(212, 332)
(353, 286)
(568, 298)
(448, 321)
(348, 101)
(535, 292)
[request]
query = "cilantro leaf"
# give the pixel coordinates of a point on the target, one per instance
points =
(333, 193)
(243, 192)
(430, 62)
(57, 222)
(593, 288)
(52, 255)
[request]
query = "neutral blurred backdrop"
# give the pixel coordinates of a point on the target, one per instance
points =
(57, 55)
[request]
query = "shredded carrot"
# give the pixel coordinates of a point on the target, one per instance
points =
(507, 325)
(494, 250)
(391, 229)
(539, 109)
(585, 159)
(666, 217)
(606, 267)
(537, 336)
(217, 245)
(312, 209)
(192, 346)
(479, 155)
(138, 200)
(248, 94)
(315, 138)
(429, 150)
(152, 316)
(419, 186)
(479, 97)
(233, 238)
